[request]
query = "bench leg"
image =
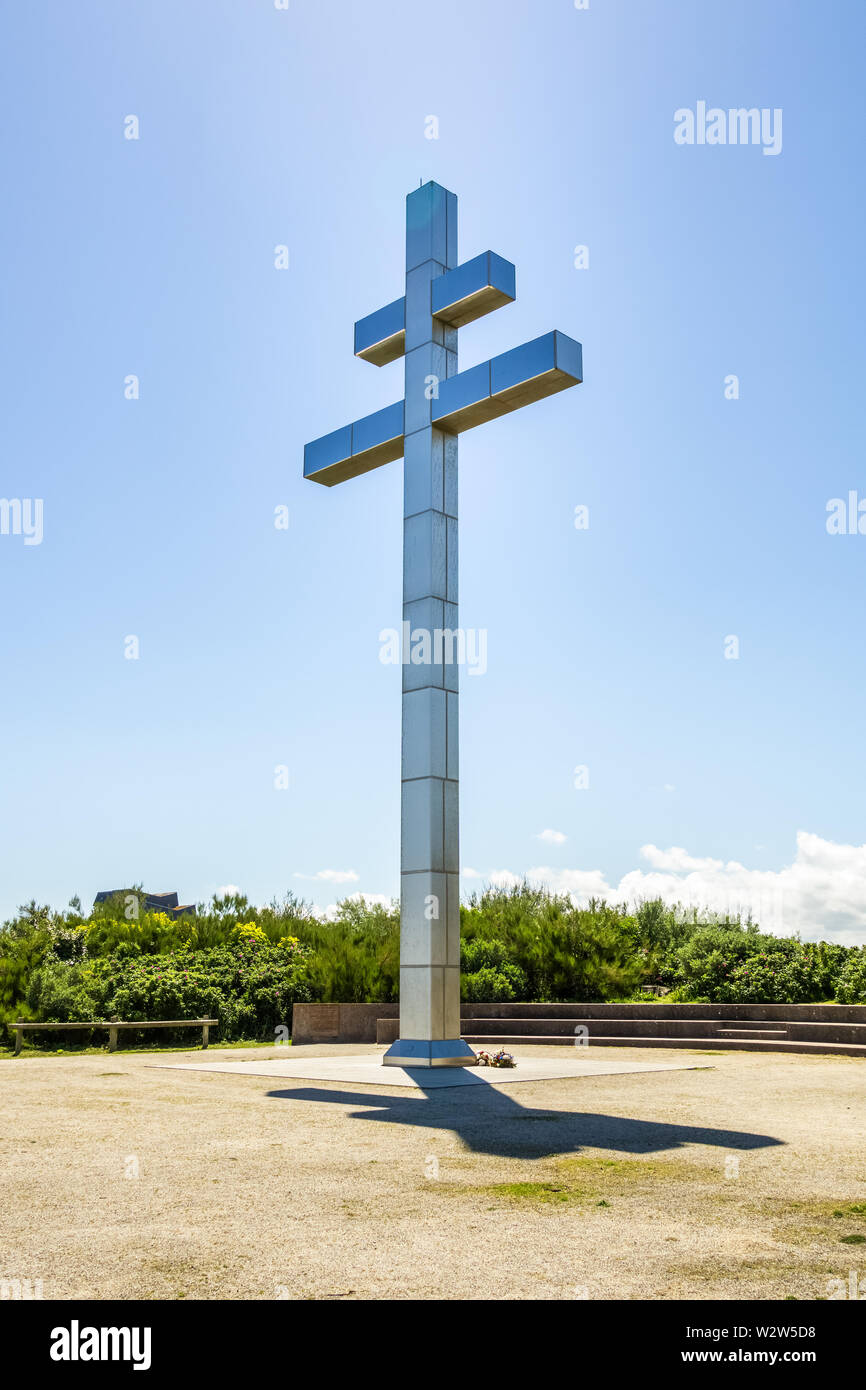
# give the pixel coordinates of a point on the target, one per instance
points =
(205, 1033)
(112, 1036)
(19, 1034)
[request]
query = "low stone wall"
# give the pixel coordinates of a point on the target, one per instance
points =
(339, 1023)
(356, 1023)
(387, 1030)
(789, 1013)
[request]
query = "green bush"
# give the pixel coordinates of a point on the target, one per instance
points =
(851, 983)
(66, 992)
(250, 988)
(247, 966)
(487, 976)
(149, 934)
(730, 965)
(355, 958)
(563, 953)
(36, 935)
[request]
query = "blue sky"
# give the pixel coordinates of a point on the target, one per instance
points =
(259, 647)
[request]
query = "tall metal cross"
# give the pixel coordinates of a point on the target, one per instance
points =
(439, 403)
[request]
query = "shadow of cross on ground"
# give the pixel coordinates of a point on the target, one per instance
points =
(490, 1121)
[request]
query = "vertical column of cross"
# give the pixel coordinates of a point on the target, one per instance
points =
(429, 883)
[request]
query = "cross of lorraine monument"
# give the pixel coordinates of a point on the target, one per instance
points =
(439, 403)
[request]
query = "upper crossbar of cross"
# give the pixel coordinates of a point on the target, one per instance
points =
(538, 368)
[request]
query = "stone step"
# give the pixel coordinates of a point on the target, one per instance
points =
(638, 1027)
(845, 1038)
(666, 1027)
(368, 1023)
(712, 1044)
(721, 1013)
(596, 1027)
(767, 1032)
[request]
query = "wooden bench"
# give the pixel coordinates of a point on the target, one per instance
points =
(113, 1024)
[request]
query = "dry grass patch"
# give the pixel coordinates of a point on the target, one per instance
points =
(595, 1182)
(808, 1222)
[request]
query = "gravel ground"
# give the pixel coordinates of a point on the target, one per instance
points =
(121, 1179)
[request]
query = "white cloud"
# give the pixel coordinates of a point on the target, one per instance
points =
(551, 837)
(504, 878)
(228, 890)
(371, 899)
(676, 859)
(821, 895)
(333, 876)
(582, 884)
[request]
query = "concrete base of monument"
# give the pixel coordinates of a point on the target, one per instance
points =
(366, 1070)
(418, 1052)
